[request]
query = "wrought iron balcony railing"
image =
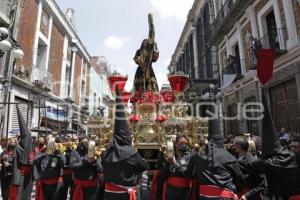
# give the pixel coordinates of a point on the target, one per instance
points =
(274, 39)
(234, 66)
(227, 16)
(42, 78)
(85, 103)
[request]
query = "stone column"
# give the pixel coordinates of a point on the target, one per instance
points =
(293, 39)
(252, 17)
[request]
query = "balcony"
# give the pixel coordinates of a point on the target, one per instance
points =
(42, 79)
(85, 104)
(21, 72)
(234, 66)
(4, 11)
(275, 39)
(228, 15)
(106, 98)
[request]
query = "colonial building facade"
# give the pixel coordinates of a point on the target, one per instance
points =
(51, 84)
(221, 40)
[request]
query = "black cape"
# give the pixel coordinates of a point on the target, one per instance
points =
(215, 166)
(282, 170)
(279, 164)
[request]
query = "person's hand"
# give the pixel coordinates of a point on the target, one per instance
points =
(243, 198)
(141, 59)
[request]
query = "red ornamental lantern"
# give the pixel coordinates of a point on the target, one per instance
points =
(167, 96)
(126, 97)
(134, 118)
(178, 82)
(161, 118)
(117, 80)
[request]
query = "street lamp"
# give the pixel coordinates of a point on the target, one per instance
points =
(7, 44)
(3, 32)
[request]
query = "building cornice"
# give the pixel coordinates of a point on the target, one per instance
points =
(187, 30)
(60, 16)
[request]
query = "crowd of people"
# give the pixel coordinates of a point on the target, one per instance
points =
(237, 168)
(62, 167)
(233, 169)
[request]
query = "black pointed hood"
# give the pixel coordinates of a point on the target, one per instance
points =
(121, 145)
(215, 148)
(25, 147)
(24, 132)
(214, 129)
(269, 136)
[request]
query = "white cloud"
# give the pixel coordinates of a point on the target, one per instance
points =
(173, 8)
(113, 42)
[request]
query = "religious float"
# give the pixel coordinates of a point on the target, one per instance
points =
(156, 117)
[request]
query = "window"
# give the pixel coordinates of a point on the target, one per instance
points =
(252, 125)
(83, 88)
(95, 103)
(67, 80)
(272, 30)
(273, 35)
(41, 55)
(69, 53)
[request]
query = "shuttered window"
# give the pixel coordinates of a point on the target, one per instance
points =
(23, 106)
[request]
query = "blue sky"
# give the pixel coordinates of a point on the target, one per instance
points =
(116, 28)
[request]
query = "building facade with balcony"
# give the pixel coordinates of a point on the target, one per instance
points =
(229, 32)
(238, 27)
(193, 56)
(51, 83)
(100, 94)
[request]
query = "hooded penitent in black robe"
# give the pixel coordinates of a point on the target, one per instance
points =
(49, 167)
(83, 170)
(22, 169)
(122, 164)
(215, 166)
(177, 170)
(255, 183)
(280, 165)
(282, 172)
